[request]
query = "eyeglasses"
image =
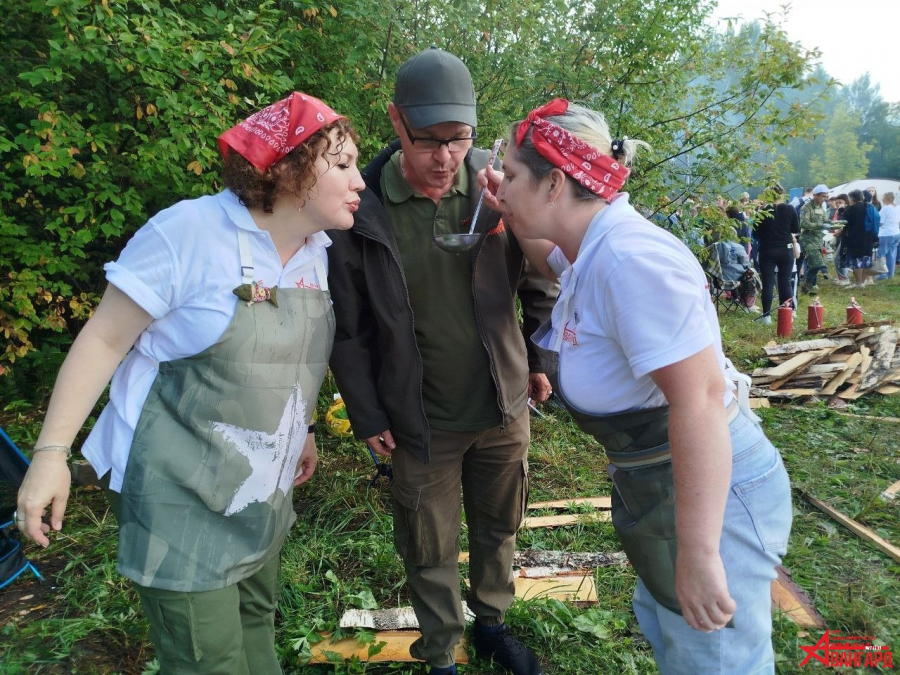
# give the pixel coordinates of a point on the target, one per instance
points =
(426, 144)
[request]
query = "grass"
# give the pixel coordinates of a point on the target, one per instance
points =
(340, 553)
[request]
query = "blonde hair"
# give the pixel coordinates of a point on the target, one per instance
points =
(588, 125)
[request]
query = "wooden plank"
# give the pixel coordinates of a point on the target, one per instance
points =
(815, 368)
(534, 522)
(888, 389)
(788, 597)
(803, 370)
(759, 403)
(396, 648)
(892, 492)
(845, 326)
(582, 561)
(395, 618)
(784, 393)
(793, 365)
(563, 559)
(874, 418)
(574, 587)
(866, 360)
(843, 376)
(851, 393)
(826, 368)
(596, 502)
(807, 345)
(856, 528)
(881, 360)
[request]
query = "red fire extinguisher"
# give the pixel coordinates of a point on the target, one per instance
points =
(815, 316)
(785, 319)
(854, 312)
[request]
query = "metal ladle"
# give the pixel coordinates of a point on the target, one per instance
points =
(456, 243)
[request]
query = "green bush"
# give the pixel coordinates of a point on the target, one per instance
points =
(111, 115)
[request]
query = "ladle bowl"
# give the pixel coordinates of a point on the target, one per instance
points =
(456, 243)
(459, 242)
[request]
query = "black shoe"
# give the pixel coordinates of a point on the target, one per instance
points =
(499, 645)
(449, 670)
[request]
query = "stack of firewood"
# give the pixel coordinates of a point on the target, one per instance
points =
(847, 361)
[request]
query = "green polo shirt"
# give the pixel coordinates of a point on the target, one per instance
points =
(457, 386)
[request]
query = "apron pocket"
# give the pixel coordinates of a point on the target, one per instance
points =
(643, 516)
(767, 499)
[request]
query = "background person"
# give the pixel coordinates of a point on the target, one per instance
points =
(857, 239)
(656, 390)
(225, 301)
(812, 224)
(889, 235)
(432, 364)
(776, 227)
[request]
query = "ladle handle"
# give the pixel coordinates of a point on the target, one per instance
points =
(494, 150)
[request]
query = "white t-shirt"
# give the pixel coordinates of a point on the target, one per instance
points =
(890, 221)
(181, 268)
(638, 300)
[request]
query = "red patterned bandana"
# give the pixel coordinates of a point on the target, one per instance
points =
(599, 173)
(268, 135)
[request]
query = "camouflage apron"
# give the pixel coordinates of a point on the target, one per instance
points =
(640, 464)
(206, 497)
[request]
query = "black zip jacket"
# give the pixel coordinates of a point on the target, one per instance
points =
(375, 360)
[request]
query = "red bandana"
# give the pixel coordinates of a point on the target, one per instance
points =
(599, 173)
(268, 135)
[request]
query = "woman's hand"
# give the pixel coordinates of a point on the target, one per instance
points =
(702, 591)
(309, 458)
(490, 179)
(46, 483)
(96, 353)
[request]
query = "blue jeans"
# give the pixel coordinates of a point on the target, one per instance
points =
(755, 533)
(888, 248)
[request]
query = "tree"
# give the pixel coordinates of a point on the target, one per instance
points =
(844, 157)
(109, 109)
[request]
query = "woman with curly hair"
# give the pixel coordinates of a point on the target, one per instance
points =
(219, 307)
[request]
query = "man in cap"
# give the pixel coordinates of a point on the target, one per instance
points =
(813, 221)
(432, 364)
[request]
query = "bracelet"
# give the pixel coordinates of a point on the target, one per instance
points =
(65, 448)
(311, 429)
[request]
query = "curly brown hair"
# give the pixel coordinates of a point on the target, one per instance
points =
(294, 174)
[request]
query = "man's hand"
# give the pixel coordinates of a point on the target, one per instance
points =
(702, 591)
(309, 458)
(539, 388)
(382, 444)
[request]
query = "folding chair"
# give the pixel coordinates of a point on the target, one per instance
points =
(13, 465)
(724, 293)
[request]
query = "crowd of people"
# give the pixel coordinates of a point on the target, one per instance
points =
(222, 312)
(790, 244)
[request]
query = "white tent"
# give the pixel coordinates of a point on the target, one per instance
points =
(882, 185)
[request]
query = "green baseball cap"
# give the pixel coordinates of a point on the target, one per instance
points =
(434, 87)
